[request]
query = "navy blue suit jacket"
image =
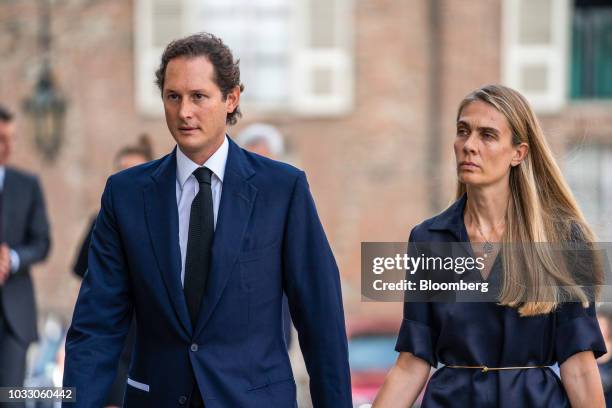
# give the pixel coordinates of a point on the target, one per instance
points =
(268, 239)
(25, 229)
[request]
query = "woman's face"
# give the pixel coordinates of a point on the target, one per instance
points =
(483, 146)
(130, 160)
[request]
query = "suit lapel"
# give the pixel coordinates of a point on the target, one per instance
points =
(237, 198)
(162, 220)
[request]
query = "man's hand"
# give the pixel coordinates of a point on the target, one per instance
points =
(5, 263)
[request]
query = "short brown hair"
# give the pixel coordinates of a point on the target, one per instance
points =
(5, 114)
(226, 69)
(143, 148)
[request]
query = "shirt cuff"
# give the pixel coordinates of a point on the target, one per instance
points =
(14, 261)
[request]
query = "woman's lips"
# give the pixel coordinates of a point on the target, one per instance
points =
(468, 165)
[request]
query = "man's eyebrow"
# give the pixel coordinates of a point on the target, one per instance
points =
(462, 123)
(190, 91)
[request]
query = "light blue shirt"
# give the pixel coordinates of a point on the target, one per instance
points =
(187, 187)
(14, 255)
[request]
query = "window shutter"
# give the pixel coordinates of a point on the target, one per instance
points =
(535, 46)
(322, 68)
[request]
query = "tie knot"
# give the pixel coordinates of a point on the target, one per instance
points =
(202, 174)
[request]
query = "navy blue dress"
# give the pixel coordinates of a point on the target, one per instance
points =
(486, 334)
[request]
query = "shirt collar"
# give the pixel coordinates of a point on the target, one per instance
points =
(216, 163)
(451, 219)
(2, 176)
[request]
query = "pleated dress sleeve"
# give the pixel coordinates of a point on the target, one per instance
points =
(576, 330)
(417, 334)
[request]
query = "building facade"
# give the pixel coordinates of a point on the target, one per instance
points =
(365, 92)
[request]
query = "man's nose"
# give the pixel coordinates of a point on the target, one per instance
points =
(186, 109)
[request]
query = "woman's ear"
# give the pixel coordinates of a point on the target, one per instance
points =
(520, 152)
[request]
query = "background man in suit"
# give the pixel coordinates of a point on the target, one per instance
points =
(24, 240)
(202, 244)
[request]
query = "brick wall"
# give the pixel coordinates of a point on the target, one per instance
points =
(366, 169)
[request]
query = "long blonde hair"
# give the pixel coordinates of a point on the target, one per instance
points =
(542, 209)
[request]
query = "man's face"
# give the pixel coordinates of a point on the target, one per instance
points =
(195, 108)
(7, 130)
(130, 160)
(260, 147)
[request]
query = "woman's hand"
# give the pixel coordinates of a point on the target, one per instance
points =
(580, 377)
(403, 383)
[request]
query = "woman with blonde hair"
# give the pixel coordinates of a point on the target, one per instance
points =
(497, 354)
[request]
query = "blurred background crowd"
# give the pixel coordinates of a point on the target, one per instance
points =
(361, 94)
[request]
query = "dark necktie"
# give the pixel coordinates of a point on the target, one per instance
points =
(199, 242)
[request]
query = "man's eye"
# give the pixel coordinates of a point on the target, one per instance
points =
(199, 96)
(462, 132)
(172, 97)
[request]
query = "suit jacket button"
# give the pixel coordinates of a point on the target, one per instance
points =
(194, 347)
(182, 400)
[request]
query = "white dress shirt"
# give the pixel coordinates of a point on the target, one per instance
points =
(187, 187)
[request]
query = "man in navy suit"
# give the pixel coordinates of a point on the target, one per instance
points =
(24, 241)
(202, 244)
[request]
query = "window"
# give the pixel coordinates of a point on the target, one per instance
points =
(259, 33)
(591, 60)
(295, 55)
(535, 37)
(588, 169)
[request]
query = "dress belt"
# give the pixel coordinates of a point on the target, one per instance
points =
(486, 369)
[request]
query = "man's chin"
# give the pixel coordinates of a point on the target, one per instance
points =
(189, 140)
(197, 142)
(188, 147)
(196, 148)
